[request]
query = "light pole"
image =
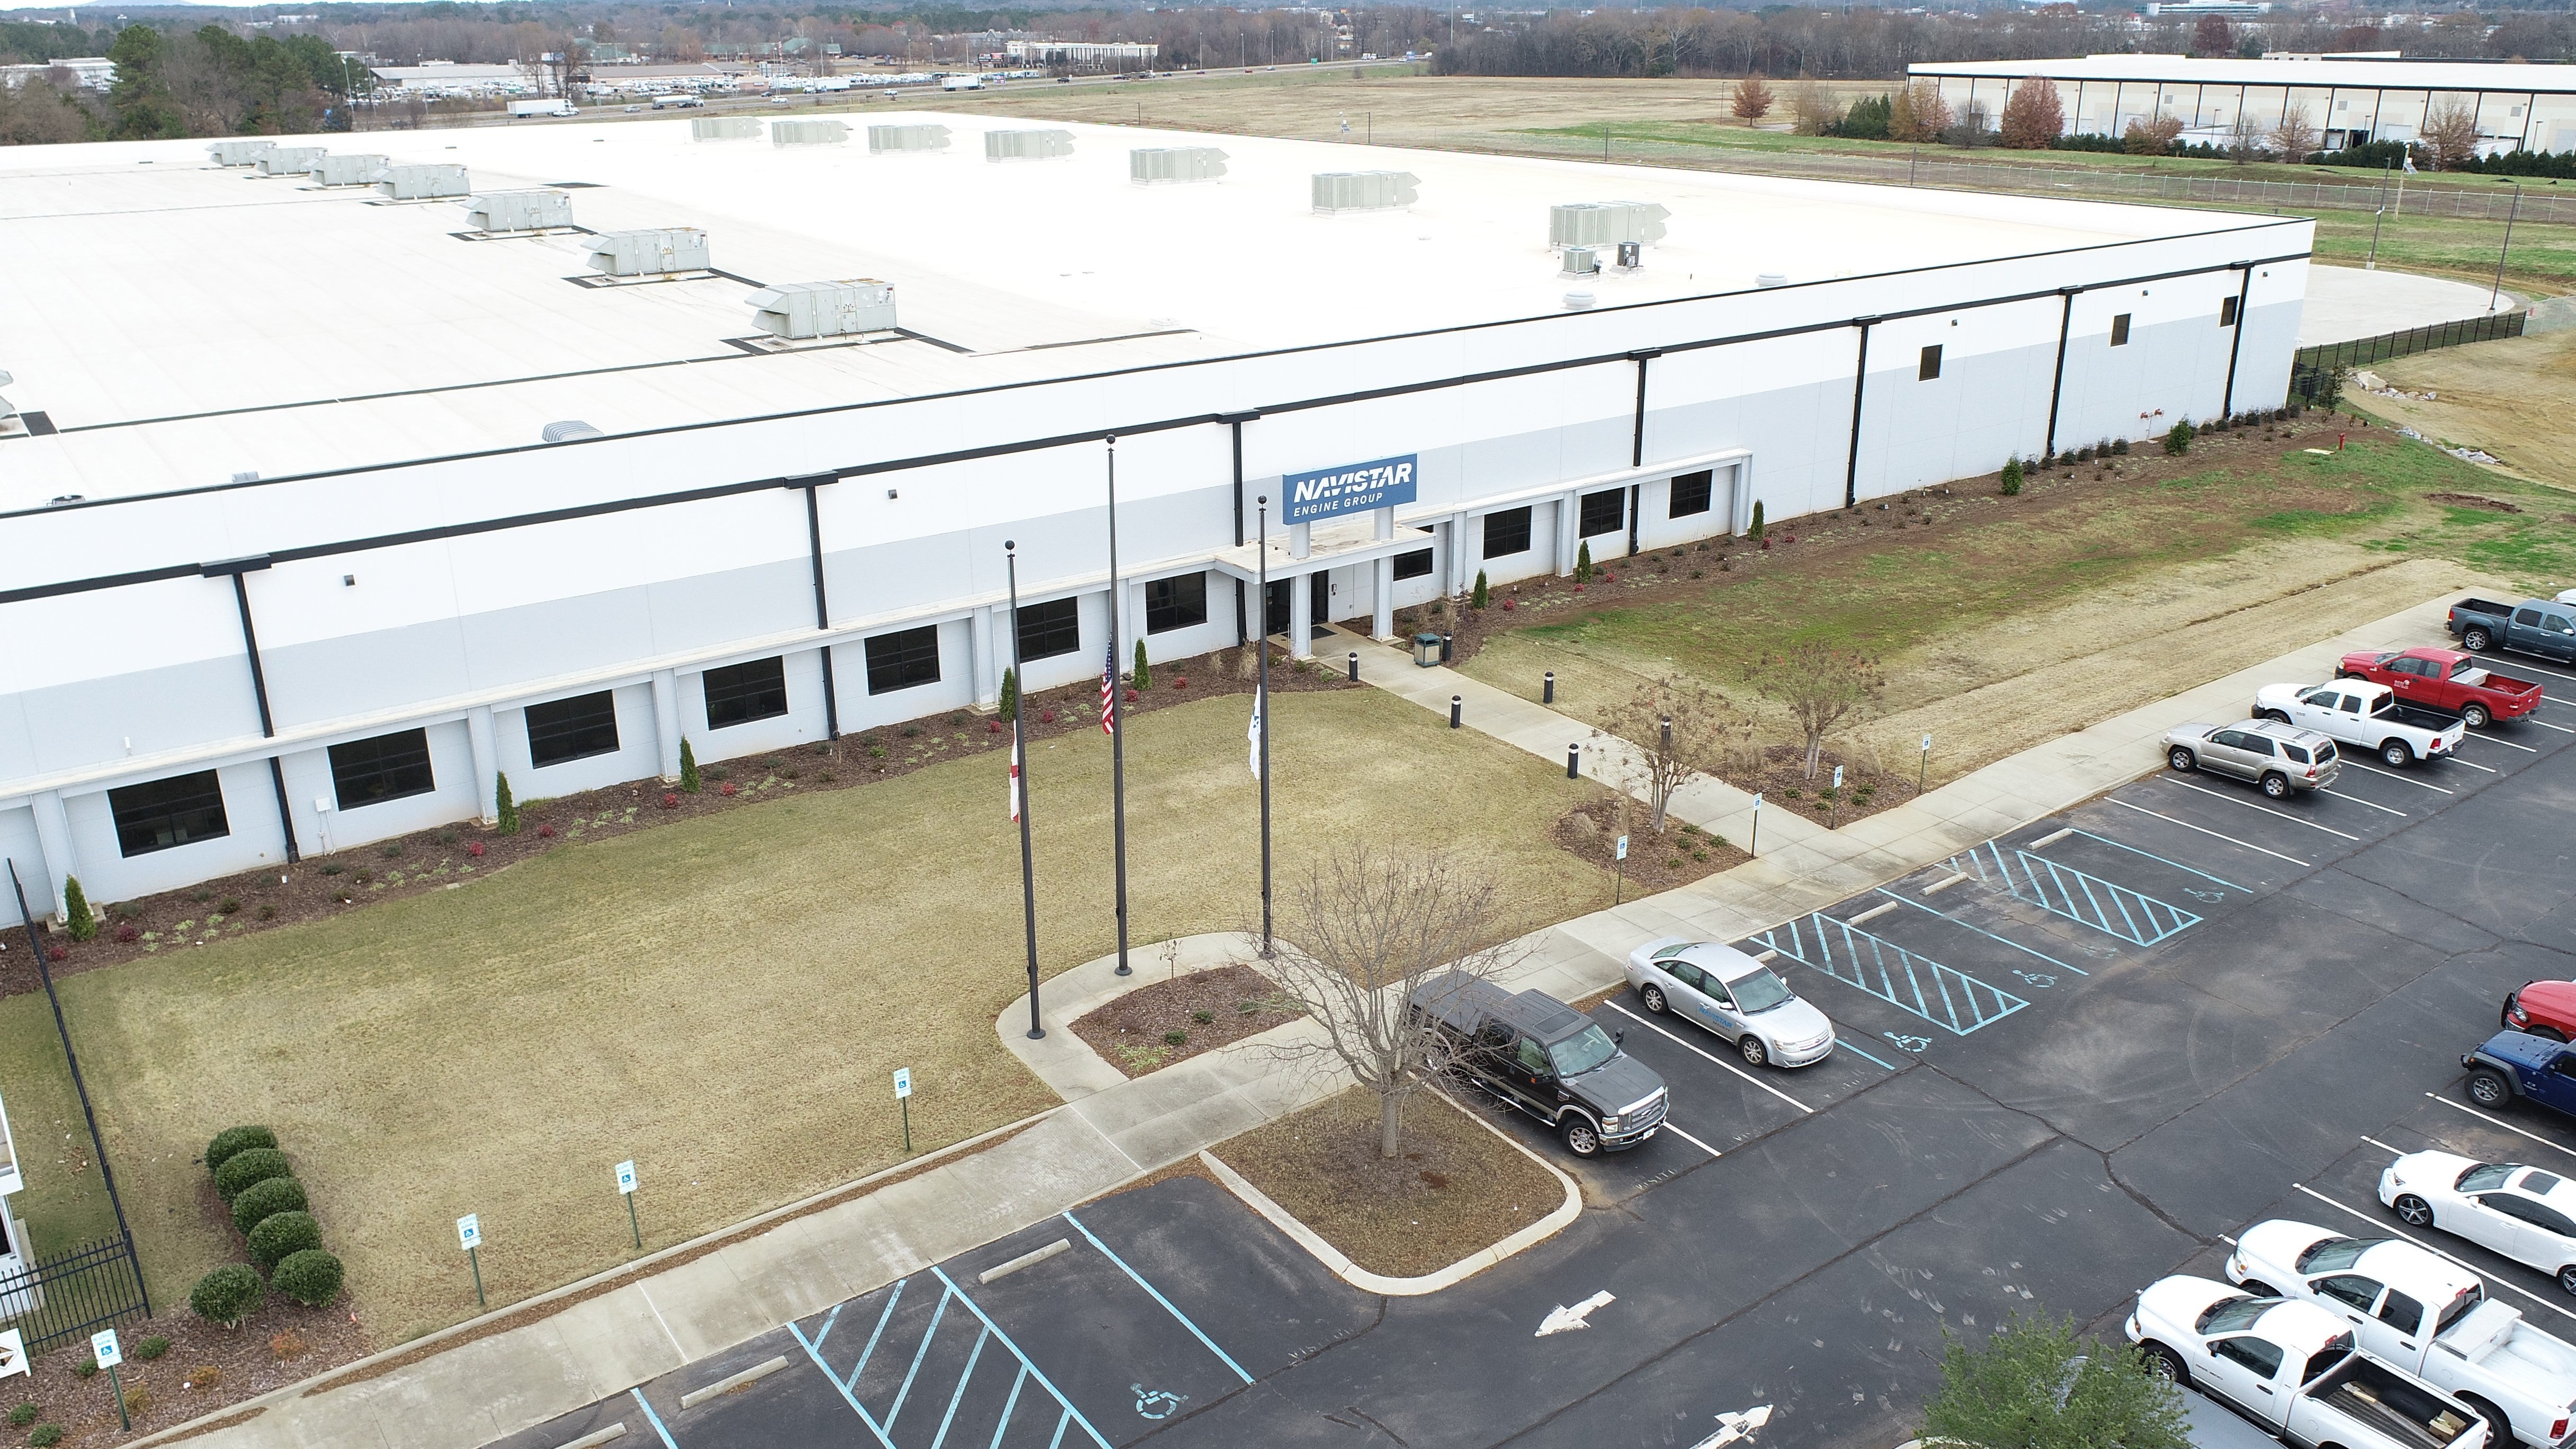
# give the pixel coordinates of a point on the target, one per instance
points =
(2511, 212)
(1261, 592)
(1020, 787)
(2378, 213)
(1117, 716)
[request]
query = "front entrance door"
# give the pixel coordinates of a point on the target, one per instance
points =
(1319, 606)
(1274, 613)
(1319, 599)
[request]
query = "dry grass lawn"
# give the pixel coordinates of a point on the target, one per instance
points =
(2515, 399)
(724, 999)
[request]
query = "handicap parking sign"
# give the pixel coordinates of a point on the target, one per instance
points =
(469, 1232)
(103, 1347)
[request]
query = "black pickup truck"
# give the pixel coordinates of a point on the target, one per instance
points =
(1543, 1058)
(2543, 627)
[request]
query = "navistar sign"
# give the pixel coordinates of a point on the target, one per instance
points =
(1348, 489)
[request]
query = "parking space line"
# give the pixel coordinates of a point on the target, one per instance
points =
(2500, 1122)
(901, 1394)
(2384, 1147)
(2492, 740)
(2357, 800)
(2521, 664)
(834, 1317)
(959, 1394)
(1204, 1340)
(1856, 1051)
(654, 1418)
(1982, 931)
(2393, 775)
(2471, 765)
(2151, 855)
(2436, 1252)
(2062, 890)
(1711, 1056)
(870, 1351)
(1025, 1362)
(2544, 724)
(849, 1396)
(2266, 809)
(1693, 1141)
(2214, 835)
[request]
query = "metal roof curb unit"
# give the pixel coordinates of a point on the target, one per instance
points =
(1340, 191)
(519, 210)
(724, 128)
(655, 251)
(239, 153)
(1600, 224)
(1027, 145)
(824, 309)
(1159, 165)
(920, 137)
(809, 133)
(289, 160)
(349, 170)
(420, 182)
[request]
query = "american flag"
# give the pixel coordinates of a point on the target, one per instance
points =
(1109, 691)
(1015, 774)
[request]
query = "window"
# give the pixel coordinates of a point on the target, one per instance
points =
(1414, 565)
(1931, 367)
(1604, 512)
(2401, 1312)
(1683, 972)
(1050, 629)
(741, 693)
(2322, 698)
(2226, 311)
(162, 813)
(1175, 603)
(388, 767)
(903, 659)
(572, 729)
(2263, 1358)
(2120, 330)
(2350, 1288)
(2527, 618)
(1507, 532)
(1533, 1057)
(1691, 493)
(2351, 704)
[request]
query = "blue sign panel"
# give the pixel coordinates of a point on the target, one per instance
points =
(1353, 488)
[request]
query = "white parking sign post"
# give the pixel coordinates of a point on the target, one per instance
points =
(104, 1348)
(1923, 771)
(1619, 856)
(626, 1190)
(469, 1236)
(903, 1098)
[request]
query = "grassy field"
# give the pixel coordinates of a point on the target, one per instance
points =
(721, 999)
(2514, 399)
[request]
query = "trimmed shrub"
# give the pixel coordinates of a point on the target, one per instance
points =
(1477, 599)
(2178, 438)
(1010, 708)
(280, 1236)
(78, 919)
(151, 1348)
(24, 1414)
(311, 1277)
(2012, 475)
(1144, 670)
(242, 1169)
(1756, 530)
(271, 1195)
(689, 777)
(227, 1295)
(46, 1436)
(2120, 446)
(234, 1140)
(1583, 562)
(504, 809)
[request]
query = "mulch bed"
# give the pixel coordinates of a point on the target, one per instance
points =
(205, 1368)
(1455, 1188)
(1205, 1009)
(1682, 854)
(1782, 782)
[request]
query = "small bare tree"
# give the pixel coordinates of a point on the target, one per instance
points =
(2296, 137)
(2244, 139)
(1672, 729)
(1815, 112)
(1361, 930)
(1822, 686)
(1752, 100)
(2451, 134)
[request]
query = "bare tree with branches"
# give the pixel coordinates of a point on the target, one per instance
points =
(2451, 134)
(2295, 139)
(1360, 931)
(1822, 686)
(1752, 99)
(1672, 729)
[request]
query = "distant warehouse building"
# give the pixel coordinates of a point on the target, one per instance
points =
(392, 506)
(2350, 102)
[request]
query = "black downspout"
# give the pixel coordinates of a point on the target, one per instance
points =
(1242, 614)
(2057, 383)
(1637, 432)
(2244, 286)
(1860, 383)
(822, 606)
(258, 684)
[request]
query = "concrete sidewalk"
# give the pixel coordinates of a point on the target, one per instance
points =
(644, 1322)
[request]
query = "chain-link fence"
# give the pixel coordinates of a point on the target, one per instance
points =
(2313, 368)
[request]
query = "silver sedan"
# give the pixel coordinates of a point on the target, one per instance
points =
(1731, 994)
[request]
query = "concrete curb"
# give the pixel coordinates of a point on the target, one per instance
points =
(1364, 1280)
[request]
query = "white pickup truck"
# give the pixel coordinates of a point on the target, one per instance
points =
(2358, 712)
(2423, 1313)
(2292, 1367)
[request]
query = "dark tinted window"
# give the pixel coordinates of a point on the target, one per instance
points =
(2485, 1176)
(1931, 365)
(2263, 1358)
(2226, 311)
(387, 767)
(741, 693)
(159, 814)
(2297, 754)
(2528, 617)
(2120, 330)
(1050, 629)
(2350, 1288)
(1604, 512)
(1414, 565)
(572, 729)
(1683, 972)
(1176, 603)
(2336, 1253)
(2402, 1313)
(1507, 532)
(2233, 1315)
(903, 659)
(1691, 493)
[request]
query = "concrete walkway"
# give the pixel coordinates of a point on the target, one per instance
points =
(650, 1319)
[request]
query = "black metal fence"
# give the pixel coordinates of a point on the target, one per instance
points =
(72, 1295)
(2313, 367)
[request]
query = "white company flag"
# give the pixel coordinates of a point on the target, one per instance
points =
(1015, 773)
(1254, 733)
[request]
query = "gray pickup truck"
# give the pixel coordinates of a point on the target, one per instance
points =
(1544, 1058)
(2543, 627)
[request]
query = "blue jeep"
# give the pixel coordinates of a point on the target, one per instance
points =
(2514, 1064)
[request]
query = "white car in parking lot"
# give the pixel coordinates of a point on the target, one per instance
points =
(2521, 1212)
(1730, 993)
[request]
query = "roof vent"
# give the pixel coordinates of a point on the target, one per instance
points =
(518, 210)
(1339, 191)
(653, 253)
(354, 170)
(239, 153)
(1772, 279)
(569, 430)
(419, 183)
(921, 137)
(724, 128)
(1604, 223)
(1156, 165)
(59, 499)
(1026, 145)
(289, 160)
(1578, 301)
(250, 477)
(809, 133)
(824, 309)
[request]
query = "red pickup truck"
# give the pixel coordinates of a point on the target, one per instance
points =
(2447, 680)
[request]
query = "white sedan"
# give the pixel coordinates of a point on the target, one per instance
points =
(2521, 1212)
(1733, 995)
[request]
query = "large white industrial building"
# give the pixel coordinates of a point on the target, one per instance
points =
(324, 509)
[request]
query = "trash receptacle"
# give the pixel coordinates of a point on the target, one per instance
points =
(1426, 649)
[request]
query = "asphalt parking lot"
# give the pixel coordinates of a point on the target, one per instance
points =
(2077, 1058)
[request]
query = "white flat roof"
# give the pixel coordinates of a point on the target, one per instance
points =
(2440, 75)
(180, 323)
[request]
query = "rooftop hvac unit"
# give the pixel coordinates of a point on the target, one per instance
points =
(1604, 223)
(824, 309)
(724, 128)
(1026, 145)
(415, 183)
(1154, 165)
(1338, 191)
(908, 138)
(239, 153)
(1581, 262)
(348, 170)
(649, 253)
(808, 133)
(518, 210)
(289, 160)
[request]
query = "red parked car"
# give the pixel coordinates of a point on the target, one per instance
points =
(2542, 1008)
(2447, 680)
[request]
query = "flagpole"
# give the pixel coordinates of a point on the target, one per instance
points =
(1262, 566)
(1117, 715)
(1020, 779)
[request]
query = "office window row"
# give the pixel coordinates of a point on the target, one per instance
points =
(1507, 532)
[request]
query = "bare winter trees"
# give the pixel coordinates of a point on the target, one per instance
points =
(1919, 114)
(1821, 686)
(2150, 135)
(2295, 138)
(2451, 134)
(2034, 116)
(1752, 99)
(1663, 734)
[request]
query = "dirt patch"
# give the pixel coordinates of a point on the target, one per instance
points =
(1152, 1027)
(1682, 854)
(1455, 1188)
(2472, 500)
(203, 1369)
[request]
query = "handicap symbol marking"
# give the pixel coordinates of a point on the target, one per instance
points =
(2201, 895)
(1910, 1043)
(1156, 1403)
(2041, 979)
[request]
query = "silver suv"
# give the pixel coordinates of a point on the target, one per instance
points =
(2279, 757)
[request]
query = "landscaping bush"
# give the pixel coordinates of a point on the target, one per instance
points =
(504, 809)
(280, 1236)
(1756, 530)
(24, 1414)
(1010, 707)
(1583, 562)
(311, 1277)
(2178, 438)
(2012, 475)
(233, 1140)
(227, 1295)
(689, 777)
(46, 1436)
(77, 916)
(2120, 446)
(86, 1369)
(151, 1347)
(1144, 671)
(1476, 599)
(242, 1169)
(272, 1195)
